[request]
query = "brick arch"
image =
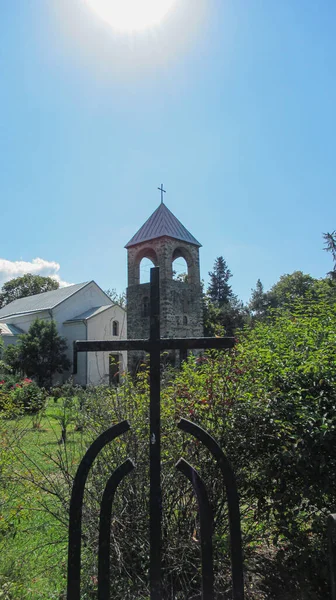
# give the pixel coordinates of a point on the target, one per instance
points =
(182, 252)
(146, 252)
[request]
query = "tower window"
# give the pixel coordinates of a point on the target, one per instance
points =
(145, 307)
(181, 261)
(115, 327)
(145, 267)
(185, 320)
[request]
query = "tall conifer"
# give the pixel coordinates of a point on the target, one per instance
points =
(219, 291)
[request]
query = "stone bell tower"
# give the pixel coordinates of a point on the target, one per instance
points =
(162, 239)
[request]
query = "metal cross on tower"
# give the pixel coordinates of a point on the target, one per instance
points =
(154, 345)
(162, 192)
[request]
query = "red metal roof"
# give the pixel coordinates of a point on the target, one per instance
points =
(162, 223)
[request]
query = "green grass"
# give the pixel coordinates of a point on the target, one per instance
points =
(33, 542)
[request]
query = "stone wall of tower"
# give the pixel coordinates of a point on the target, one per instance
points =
(181, 303)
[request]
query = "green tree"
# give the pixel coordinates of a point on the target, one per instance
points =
(41, 352)
(258, 301)
(27, 285)
(223, 312)
(286, 292)
(330, 243)
(12, 358)
(219, 291)
(211, 318)
(290, 288)
(115, 297)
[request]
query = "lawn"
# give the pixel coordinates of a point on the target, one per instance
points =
(33, 541)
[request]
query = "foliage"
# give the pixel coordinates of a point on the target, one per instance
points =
(223, 313)
(211, 318)
(9, 409)
(330, 243)
(287, 291)
(40, 353)
(29, 396)
(116, 297)
(8, 380)
(70, 398)
(26, 285)
(258, 304)
(32, 541)
(66, 390)
(219, 290)
(270, 403)
(22, 397)
(12, 358)
(182, 277)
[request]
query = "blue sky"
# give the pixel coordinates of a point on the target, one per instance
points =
(231, 104)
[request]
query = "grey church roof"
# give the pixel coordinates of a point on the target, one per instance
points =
(162, 223)
(38, 302)
(9, 329)
(88, 314)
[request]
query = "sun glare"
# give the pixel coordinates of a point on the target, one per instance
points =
(131, 15)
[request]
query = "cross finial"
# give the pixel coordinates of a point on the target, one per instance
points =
(162, 192)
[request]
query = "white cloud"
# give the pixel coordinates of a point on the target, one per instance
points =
(38, 266)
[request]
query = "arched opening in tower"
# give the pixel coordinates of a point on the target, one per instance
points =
(145, 266)
(180, 269)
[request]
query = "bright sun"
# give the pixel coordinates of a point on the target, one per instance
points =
(131, 14)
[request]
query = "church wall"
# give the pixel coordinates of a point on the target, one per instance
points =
(72, 332)
(25, 321)
(89, 297)
(100, 328)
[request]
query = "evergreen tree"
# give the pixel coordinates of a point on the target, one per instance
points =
(219, 291)
(223, 313)
(258, 300)
(41, 352)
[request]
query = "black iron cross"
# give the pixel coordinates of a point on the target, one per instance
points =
(154, 346)
(162, 192)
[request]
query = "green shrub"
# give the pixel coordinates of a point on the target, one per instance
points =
(28, 395)
(8, 381)
(9, 408)
(66, 390)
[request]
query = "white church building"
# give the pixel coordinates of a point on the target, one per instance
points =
(81, 312)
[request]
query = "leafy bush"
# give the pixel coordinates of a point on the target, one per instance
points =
(21, 397)
(8, 381)
(28, 395)
(67, 390)
(9, 409)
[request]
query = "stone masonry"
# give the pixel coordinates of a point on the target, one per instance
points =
(181, 303)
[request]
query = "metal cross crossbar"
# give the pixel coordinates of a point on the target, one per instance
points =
(154, 345)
